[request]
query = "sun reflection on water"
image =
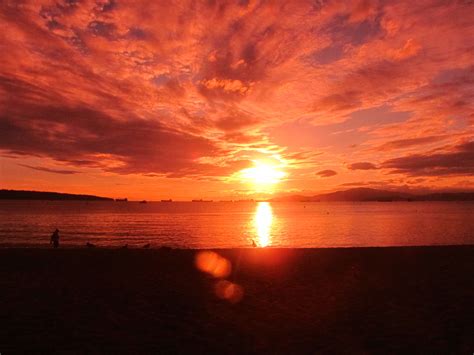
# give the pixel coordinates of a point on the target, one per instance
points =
(263, 223)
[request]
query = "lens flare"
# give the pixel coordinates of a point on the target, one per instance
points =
(213, 264)
(229, 291)
(263, 223)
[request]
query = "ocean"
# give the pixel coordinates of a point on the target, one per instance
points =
(237, 224)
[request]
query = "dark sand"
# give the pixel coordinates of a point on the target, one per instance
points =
(366, 300)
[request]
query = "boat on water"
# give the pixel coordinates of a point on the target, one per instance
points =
(169, 200)
(201, 200)
(121, 200)
(144, 201)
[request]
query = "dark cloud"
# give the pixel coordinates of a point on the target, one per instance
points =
(362, 166)
(409, 142)
(326, 173)
(79, 135)
(138, 34)
(355, 33)
(49, 170)
(328, 54)
(103, 29)
(382, 183)
(105, 6)
(460, 161)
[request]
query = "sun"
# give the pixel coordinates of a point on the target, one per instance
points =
(263, 174)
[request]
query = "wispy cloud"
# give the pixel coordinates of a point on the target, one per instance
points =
(50, 170)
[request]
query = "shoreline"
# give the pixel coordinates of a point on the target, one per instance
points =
(34, 246)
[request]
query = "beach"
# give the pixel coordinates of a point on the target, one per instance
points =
(334, 300)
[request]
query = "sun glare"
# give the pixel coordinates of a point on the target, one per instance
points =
(263, 174)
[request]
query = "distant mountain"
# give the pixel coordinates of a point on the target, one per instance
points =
(367, 194)
(364, 194)
(39, 195)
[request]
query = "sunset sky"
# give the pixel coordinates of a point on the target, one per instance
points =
(189, 99)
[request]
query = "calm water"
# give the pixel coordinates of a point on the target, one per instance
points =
(227, 224)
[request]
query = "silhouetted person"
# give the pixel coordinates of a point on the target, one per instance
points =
(55, 238)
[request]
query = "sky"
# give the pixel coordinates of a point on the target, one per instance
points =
(177, 99)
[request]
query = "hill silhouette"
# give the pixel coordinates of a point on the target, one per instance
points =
(368, 194)
(41, 195)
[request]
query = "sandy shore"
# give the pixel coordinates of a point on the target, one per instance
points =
(366, 300)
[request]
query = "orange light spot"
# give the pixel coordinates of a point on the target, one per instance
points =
(213, 264)
(229, 291)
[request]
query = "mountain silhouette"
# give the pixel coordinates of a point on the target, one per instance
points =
(368, 194)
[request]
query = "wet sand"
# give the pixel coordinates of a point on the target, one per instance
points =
(364, 300)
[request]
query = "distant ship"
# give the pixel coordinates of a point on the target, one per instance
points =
(144, 201)
(121, 200)
(169, 200)
(201, 200)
